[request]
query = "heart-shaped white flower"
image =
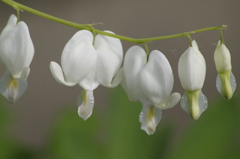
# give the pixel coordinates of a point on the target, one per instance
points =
(149, 81)
(89, 63)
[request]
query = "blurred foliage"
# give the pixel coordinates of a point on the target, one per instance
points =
(7, 146)
(215, 135)
(10, 148)
(115, 134)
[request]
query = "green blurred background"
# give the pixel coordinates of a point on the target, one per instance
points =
(44, 123)
(115, 134)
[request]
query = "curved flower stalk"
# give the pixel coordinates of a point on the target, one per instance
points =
(16, 52)
(89, 65)
(192, 71)
(151, 83)
(226, 83)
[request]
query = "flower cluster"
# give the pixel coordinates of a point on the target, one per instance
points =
(90, 60)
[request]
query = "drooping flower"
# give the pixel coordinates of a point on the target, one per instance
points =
(89, 63)
(150, 82)
(78, 59)
(106, 72)
(226, 83)
(192, 71)
(16, 52)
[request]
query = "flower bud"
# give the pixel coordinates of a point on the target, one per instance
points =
(192, 71)
(226, 83)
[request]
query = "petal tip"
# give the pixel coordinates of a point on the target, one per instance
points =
(83, 113)
(57, 73)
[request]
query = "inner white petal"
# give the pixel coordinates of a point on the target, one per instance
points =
(90, 82)
(233, 83)
(11, 88)
(202, 103)
(85, 104)
(149, 117)
(24, 74)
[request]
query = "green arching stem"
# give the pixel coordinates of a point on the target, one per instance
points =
(86, 26)
(44, 15)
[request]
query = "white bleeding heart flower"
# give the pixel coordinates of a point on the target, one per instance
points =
(106, 71)
(89, 63)
(16, 54)
(78, 59)
(149, 81)
(192, 71)
(226, 83)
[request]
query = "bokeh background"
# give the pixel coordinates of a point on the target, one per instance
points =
(44, 122)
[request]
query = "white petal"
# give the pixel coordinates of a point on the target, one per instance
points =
(58, 74)
(12, 22)
(110, 56)
(25, 73)
(170, 102)
(85, 104)
(17, 50)
(11, 88)
(222, 58)
(135, 60)
(192, 69)
(150, 117)
(78, 57)
(118, 78)
(156, 78)
(195, 45)
(90, 81)
(124, 86)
